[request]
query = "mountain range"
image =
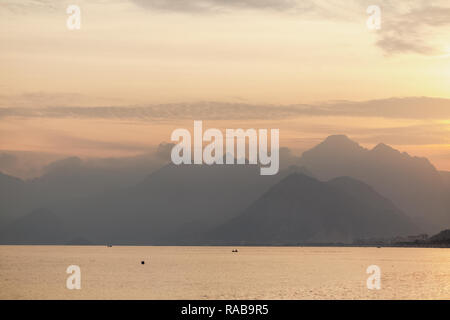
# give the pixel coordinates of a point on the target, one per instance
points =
(337, 191)
(301, 209)
(412, 183)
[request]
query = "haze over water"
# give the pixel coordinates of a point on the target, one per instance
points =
(39, 272)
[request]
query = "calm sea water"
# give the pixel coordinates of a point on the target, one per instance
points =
(39, 272)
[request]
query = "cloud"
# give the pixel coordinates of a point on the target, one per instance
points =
(203, 110)
(415, 29)
(201, 6)
(58, 138)
(420, 108)
(45, 99)
(421, 134)
(30, 6)
(414, 26)
(407, 27)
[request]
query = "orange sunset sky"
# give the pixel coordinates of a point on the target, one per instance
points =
(137, 70)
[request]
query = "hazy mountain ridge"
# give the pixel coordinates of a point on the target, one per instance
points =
(178, 204)
(442, 237)
(41, 226)
(72, 178)
(171, 204)
(301, 209)
(12, 195)
(412, 183)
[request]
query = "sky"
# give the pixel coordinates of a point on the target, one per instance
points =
(137, 70)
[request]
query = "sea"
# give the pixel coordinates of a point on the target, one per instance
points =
(160, 272)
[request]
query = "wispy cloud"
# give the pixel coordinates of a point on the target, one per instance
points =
(46, 99)
(407, 26)
(201, 6)
(420, 108)
(415, 28)
(420, 134)
(30, 6)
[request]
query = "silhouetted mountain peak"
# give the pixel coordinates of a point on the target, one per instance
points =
(349, 181)
(341, 141)
(338, 138)
(302, 209)
(59, 168)
(299, 169)
(297, 179)
(412, 183)
(443, 236)
(336, 145)
(386, 152)
(5, 178)
(385, 149)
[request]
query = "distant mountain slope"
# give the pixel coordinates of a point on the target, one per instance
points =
(71, 178)
(12, 195)
(301, 209)
(442, 237)
(41, 226)
(171, 205)
(175, 204)
(446, 178)
(67, 180)
(412, 183)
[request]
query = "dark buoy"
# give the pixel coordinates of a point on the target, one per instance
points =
(142, 262)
